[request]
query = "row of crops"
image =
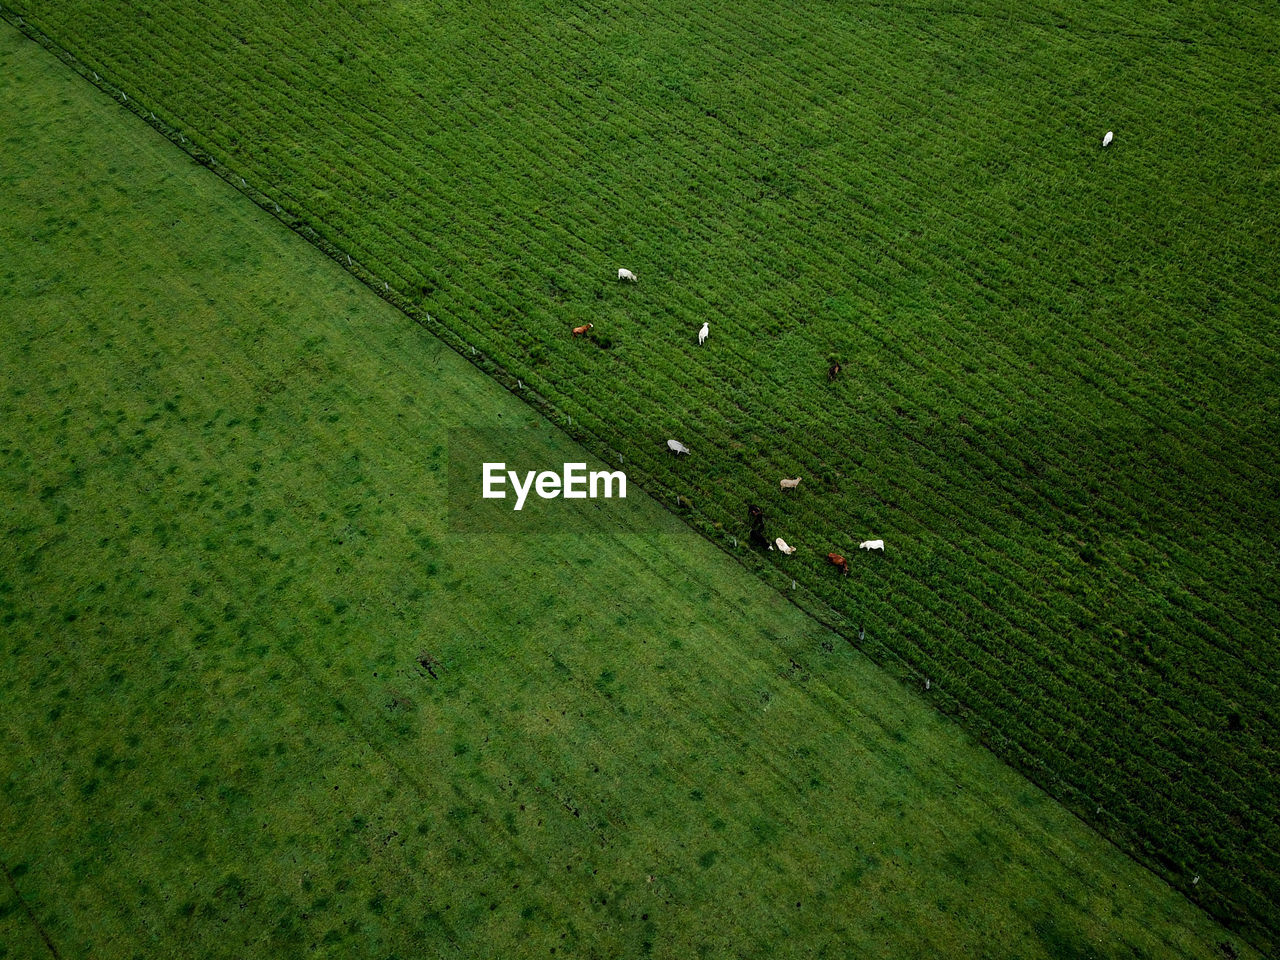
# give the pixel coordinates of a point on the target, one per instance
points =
(1059, 387)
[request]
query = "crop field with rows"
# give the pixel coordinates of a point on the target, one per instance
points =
(1060, 390)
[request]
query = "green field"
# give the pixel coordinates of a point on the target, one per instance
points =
(1060, 389)
(227, 553)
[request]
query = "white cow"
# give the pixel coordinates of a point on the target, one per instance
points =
(676, 447)
(790, 484)
(703, 333)
(782, 545)
(625, 274)
(872, 545)
(1106, 141)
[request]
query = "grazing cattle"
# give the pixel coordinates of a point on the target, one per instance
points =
(833, 371)
(782, 545)
(838, 561)
(703, 333)
(872, 545)
(625, 274)
(1106, 141)
(676, 447)
(579, 331)
(790, 484)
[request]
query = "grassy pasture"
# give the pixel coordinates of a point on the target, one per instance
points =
(225, 547)
(1060, 396)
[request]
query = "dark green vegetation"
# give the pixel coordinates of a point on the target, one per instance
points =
(257, 700)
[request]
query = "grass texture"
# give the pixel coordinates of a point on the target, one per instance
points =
(259, 699)
(1059, 396)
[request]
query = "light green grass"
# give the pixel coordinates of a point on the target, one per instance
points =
(225, 546)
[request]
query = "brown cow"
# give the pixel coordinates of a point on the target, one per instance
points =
(579, 331)
(833, 372)
(838, 561)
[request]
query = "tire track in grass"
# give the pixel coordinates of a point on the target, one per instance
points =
(31, 916)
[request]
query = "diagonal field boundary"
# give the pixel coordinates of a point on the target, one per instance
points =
(487, 365)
